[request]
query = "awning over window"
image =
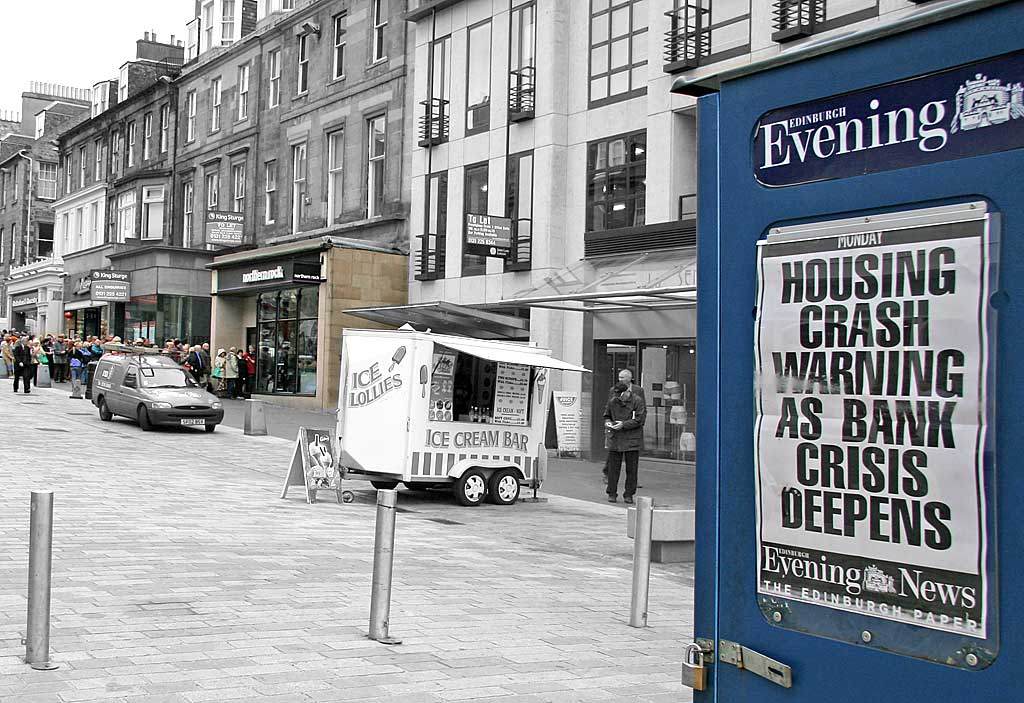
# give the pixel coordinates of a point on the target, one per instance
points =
(508, 353)
(448, 318)
(649, 280)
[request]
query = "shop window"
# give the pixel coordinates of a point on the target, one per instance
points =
(478, 79)
(474, 203)
(617, 182)
(433, 240)
(618, 50)
(465, 388)
(520, 208)
(287, 355)
(153, 212)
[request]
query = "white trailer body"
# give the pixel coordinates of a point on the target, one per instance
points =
(402, 409)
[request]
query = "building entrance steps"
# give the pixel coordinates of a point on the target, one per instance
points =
(178, 572)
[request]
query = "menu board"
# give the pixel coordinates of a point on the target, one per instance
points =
(511, 394)
(441, 387)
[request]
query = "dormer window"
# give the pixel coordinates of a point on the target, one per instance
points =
(40, 124)
(122, 85)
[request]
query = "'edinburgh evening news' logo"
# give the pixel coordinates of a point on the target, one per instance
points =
(939, 117)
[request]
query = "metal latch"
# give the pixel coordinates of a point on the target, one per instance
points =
(756, 663)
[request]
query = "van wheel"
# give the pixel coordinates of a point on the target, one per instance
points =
(471, 488)
(384, 485)
(143, 417)
(210, 428)
(105, 413)
(503, 487)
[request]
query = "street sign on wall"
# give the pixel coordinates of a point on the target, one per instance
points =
(227, 228)
(872, 345)
(488, 235)
(111, 286)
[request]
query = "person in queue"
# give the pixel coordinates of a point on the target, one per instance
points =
(22, 354)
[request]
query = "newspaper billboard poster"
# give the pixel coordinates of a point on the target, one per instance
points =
(488, 235)
(110, 286)
(226, 228)
(872, 406)
(568, 421)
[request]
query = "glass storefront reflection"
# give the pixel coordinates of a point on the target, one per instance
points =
(286, 359)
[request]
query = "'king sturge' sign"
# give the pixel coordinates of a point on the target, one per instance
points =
(953, 114)
(871, 390)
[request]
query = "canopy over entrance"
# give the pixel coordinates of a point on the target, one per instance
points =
(648, 281)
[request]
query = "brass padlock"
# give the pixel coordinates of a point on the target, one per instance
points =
(695, 673)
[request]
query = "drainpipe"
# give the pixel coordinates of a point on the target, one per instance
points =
(28, 200)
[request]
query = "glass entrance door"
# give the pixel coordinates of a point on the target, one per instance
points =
(668, 377)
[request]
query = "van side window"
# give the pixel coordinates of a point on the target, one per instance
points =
(131, 377)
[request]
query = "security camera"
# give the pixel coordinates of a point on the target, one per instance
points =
(311, 28)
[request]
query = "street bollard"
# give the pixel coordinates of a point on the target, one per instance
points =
(40, 547)
(641, 561)
(43, 376)
(383, 560)
(255, 418)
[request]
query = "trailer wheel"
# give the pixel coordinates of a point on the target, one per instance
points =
(471, 488)
(384, 485)
(503, 487)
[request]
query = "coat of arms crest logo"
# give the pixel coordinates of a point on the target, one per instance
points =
(984, 102)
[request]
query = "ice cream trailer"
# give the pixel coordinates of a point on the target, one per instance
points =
(430, 411)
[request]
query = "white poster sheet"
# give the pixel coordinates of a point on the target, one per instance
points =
(871, 354)
(568, 420)
(511, 394)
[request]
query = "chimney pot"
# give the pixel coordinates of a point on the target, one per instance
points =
(145, 36)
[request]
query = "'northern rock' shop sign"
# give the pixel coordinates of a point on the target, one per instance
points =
(960, 112)
(871, 354)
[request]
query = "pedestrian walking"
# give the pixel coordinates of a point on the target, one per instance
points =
(77, 364)
(207, 363)
(7, 353)
(58, 351)
(231, 372)
(38, 357)
(220, 383)
(194, 362)
(624, 416)
(22, 364)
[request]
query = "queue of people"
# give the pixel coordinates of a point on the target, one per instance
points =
(230, 374)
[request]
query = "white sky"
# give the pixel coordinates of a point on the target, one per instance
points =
(77, 42)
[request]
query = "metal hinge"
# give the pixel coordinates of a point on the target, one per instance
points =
(756, 663)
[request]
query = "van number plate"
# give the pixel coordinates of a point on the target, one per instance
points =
(193, 421)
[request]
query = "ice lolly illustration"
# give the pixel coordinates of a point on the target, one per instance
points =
(397, 358)
(423, 376)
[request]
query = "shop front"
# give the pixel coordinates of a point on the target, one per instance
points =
(288, 302)
(169, 297)
(83, 315)
(34, 295)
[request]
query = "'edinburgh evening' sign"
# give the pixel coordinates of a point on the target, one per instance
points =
(965, 111)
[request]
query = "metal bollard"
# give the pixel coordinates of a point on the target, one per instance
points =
(40, 559)
(255, 418)
(641, 561)
(383, 560)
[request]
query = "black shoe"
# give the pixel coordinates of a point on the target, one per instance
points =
(613, 499)
(628, 499)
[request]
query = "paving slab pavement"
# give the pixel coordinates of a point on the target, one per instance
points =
(180, 575)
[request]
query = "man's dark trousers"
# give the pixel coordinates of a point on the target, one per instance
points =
(25, 374)
(615, 468)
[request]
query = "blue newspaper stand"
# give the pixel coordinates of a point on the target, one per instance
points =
(861, 258)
